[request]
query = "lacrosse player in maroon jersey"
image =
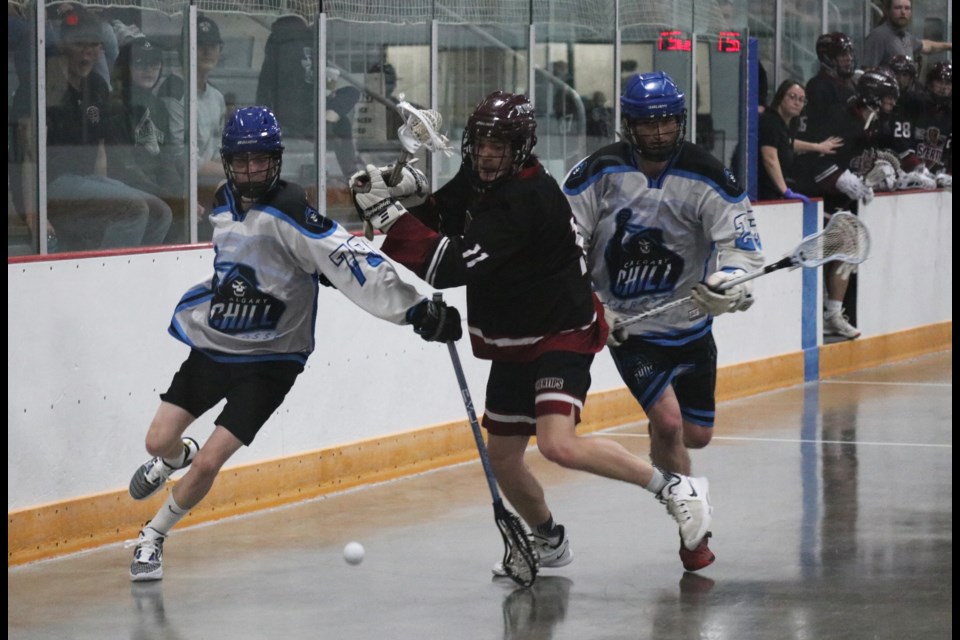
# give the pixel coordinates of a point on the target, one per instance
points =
(503, 228)
(839, 179)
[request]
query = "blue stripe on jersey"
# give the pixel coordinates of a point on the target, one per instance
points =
(690, 175)
(277, 213)
(599, 174)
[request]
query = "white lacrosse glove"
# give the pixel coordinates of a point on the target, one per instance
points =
(854, 188)
(919, 178)
(616, 337)
(412, 188)
(944, 180)
(881, 177)
(373, 200)
(712, 301)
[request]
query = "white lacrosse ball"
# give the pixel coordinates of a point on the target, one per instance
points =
(353, 553)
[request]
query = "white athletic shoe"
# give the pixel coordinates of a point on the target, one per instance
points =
(553, 552)
(148, 556)
(152, 474)
(838, 325)
(688, 502)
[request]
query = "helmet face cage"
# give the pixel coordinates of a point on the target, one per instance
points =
(830, 46)
(250, 133)
(903, 65)
(653, 98)
(875, 85)
(503, 116)
(941, 72)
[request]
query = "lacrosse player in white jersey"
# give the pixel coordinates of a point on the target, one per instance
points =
(250, 325)
(661, 217)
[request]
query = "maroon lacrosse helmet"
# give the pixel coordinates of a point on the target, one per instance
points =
(505, 116)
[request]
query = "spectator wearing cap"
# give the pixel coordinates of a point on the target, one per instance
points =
(211, 111)
(890, 38)
(86, 208)
(140, 151)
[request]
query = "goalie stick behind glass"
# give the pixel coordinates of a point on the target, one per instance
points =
(844, 239)
(520, 561)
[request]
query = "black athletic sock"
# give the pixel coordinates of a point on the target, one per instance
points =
(549, 529)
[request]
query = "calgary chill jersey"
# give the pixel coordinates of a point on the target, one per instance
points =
(261, 301)
(649, 241)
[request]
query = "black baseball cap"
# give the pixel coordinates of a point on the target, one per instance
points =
(80, 26)
(207, 31)
(142, 51)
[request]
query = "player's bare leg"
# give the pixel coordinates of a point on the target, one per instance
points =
(668, 447)
(558, 441)
(517, 482)
(670, 438)
(522, 489)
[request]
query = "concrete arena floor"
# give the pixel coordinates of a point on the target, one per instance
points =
(833, 520)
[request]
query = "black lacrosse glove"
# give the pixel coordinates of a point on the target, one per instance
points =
(435, 321)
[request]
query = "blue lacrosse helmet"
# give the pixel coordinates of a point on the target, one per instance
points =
(653, 98)
(252, 151)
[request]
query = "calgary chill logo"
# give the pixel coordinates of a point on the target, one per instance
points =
(238, 306)
(637, 261)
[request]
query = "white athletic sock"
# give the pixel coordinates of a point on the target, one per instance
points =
(177, 462)
(833, 307)
(168, 516)
(657, 483)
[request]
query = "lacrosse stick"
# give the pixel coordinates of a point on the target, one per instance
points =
(419, 129)
(844, 239)
(520, 561)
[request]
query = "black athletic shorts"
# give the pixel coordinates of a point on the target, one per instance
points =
(253, 391)
(648, 369)
(518, 392)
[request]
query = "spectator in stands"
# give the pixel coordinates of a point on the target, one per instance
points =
(891, 38)
(211, 111)
(86, 209)
(140, 151)
(394, 118)
(565, 99)
(340, 104)
(831, 87)
(287, 78)
(599, 116)
(839, 178)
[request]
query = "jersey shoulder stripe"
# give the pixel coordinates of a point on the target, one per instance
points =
(696, 163)
(613, 158)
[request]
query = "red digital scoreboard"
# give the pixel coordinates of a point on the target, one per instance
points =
(676, 40)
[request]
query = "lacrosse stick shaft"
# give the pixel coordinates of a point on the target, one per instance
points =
(402, 160)
(850, 244)
(776, 266)
(474, 424)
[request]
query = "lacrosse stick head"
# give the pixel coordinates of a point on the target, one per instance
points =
(520, 561)
(844, 239)
(421, 128)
